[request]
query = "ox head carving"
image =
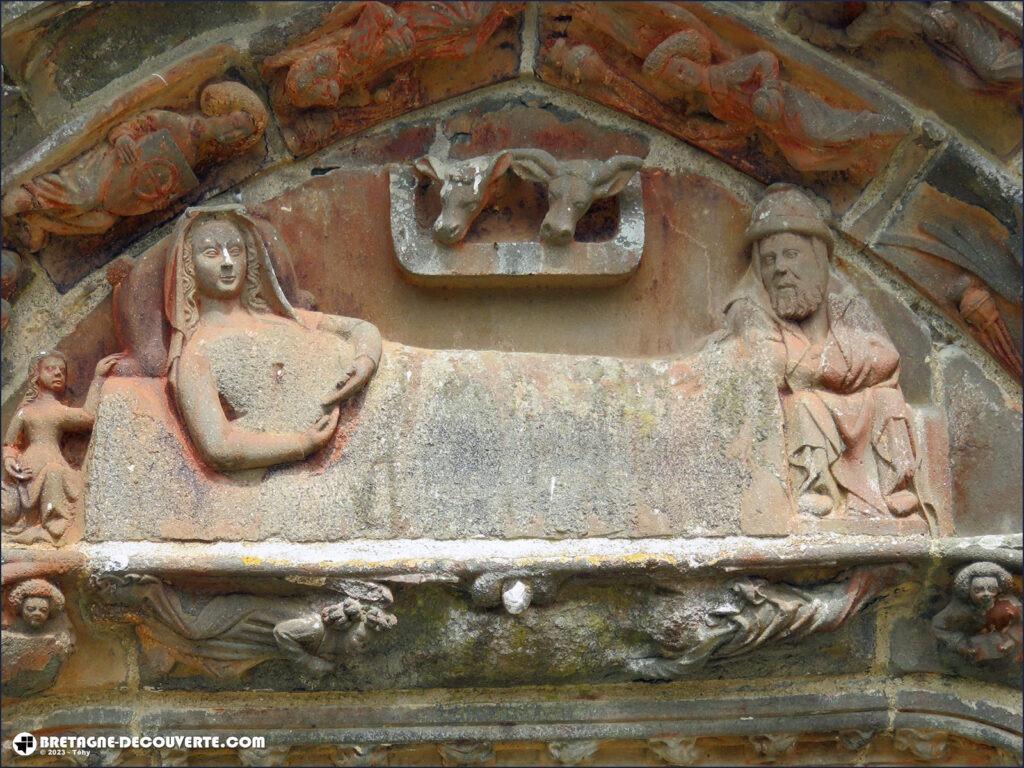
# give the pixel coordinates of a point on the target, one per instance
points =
(466, 188)
(573, 186)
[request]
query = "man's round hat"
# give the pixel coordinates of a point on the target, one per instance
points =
(786, 208)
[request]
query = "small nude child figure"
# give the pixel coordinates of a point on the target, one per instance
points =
(41, 490)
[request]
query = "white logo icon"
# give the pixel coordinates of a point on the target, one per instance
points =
(24, 744)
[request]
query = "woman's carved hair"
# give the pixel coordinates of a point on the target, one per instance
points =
(36, 588)
(251, 299)
(967, 574)
(33, 379)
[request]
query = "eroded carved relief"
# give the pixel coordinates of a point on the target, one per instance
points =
(37, 636)
(466, 753)
(982, 621)
(848, 428)
(42, 492)
(232, 633)
(964, 259)
(728, 95)
(360, 66)
(774, 745)
(144, 165)
(755, 612)
(467, 186)
(11, 272)
(231, 324)
(676, 751)
(922, 743)
(572, 186)
(514, 592)
(573, 752)
(980, 56)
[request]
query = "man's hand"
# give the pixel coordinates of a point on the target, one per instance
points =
(355, 378)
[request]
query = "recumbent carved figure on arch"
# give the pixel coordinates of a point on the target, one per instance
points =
(144, 165)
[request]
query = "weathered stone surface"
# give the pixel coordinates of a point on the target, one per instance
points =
(984, 441)
(468, 436)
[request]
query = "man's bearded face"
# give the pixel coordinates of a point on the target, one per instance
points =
(794, 269)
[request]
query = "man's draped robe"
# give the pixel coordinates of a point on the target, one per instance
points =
(841, 397)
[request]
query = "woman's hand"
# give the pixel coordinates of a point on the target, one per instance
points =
(356, 376)
(106, 365)
(317, 436)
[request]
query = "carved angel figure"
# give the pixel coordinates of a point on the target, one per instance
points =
(144, 165)
(758, 612)
(371, 38)
(747, 93)
(231, 328)
(983, 620)
(41, 490)
(233, 633)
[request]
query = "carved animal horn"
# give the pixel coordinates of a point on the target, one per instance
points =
(430, 166)
(534, 165)
(614, 173)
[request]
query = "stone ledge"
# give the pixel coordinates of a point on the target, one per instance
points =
(427, 557)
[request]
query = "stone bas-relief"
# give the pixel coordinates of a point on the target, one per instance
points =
(144, 165)
(848, 428)
(729, 95)
(979, 55)
(580, 474)
(232, 633)
(229, 319)
(572, 188)
(37, 637)
(369, 61)
(42, 492)
(756, 612)
(982, 621)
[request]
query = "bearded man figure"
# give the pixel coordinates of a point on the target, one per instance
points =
(847, 425)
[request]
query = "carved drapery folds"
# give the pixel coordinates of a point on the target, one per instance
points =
(221, 291)
(849, 432)
(232, 633)
(753, 613)
(369, 61)
(143, 165)
(700, 87)
(42, 492)
(979, 55)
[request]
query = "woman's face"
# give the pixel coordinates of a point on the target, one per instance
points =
(218, 255)
(53, 374)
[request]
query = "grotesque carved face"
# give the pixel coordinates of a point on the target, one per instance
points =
(53, 374)
(984, 591)
(794, 272)
(218, 255)
(35, 611)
